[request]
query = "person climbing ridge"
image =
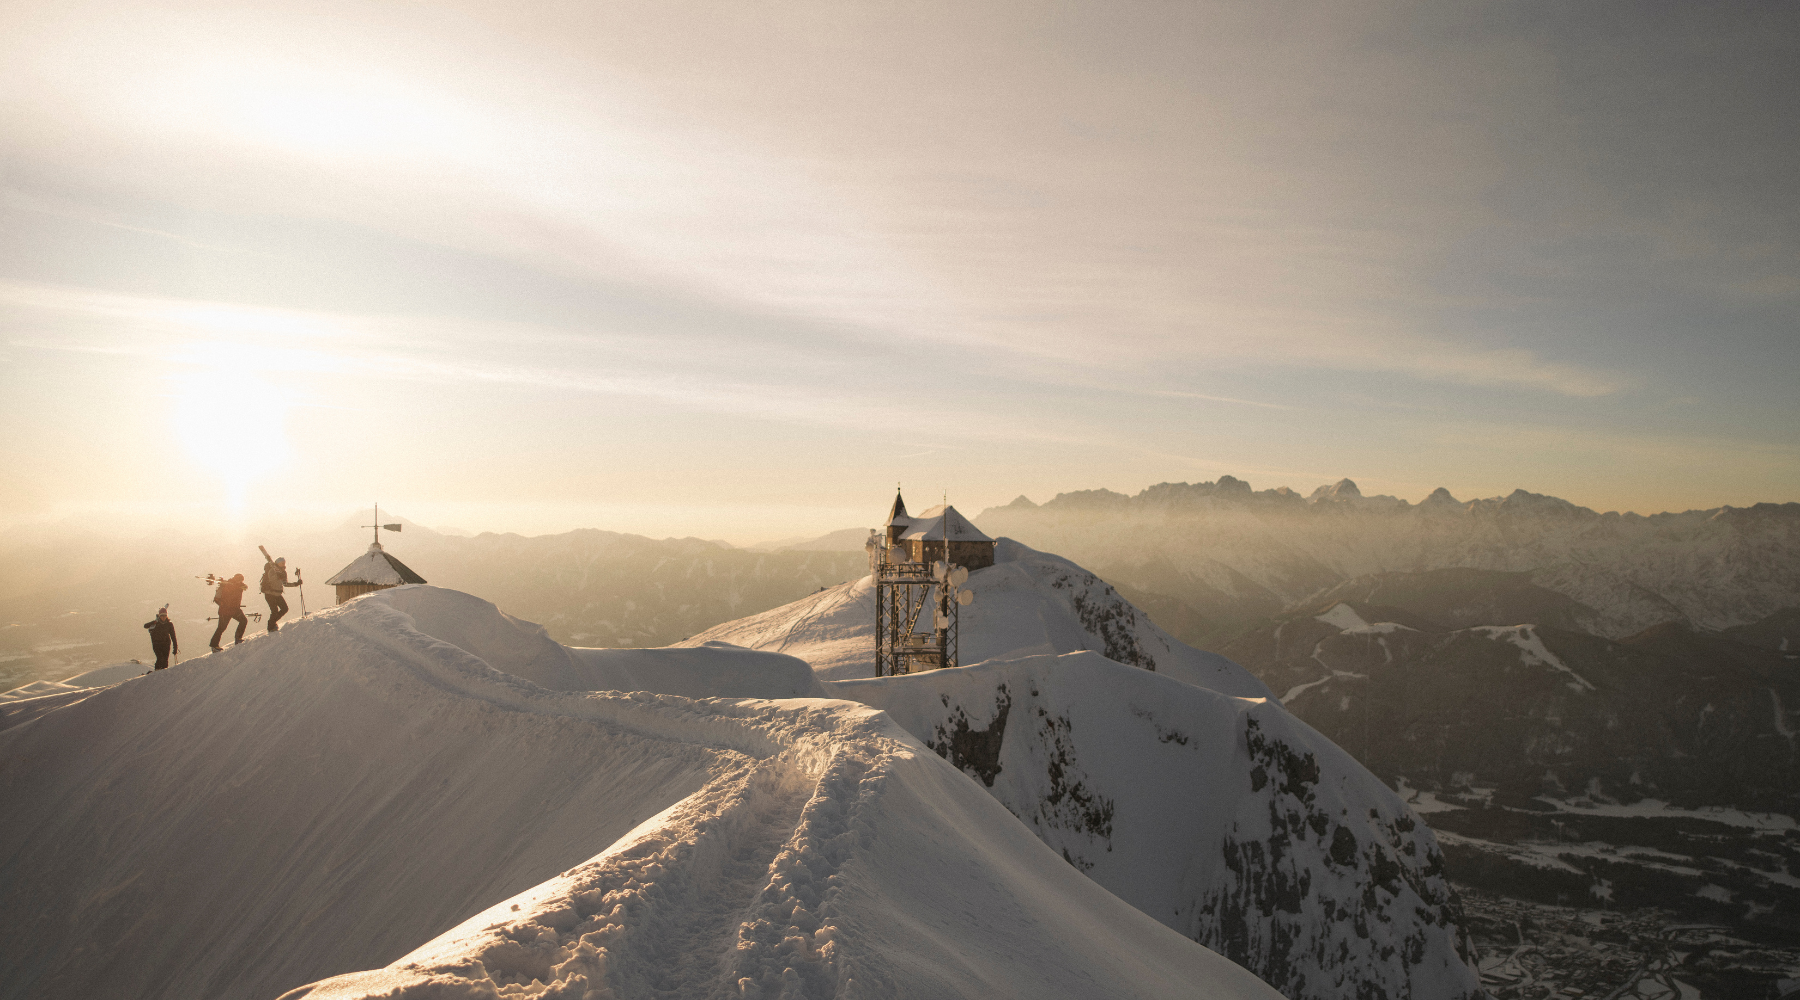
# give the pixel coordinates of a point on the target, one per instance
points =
(230, 599)
(274, 581)
(162, 637)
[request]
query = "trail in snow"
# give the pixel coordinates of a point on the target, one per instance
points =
(693, 958)
(360, 792)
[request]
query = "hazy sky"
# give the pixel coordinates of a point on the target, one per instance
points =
(734, 270)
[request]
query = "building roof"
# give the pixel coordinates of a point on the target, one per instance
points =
(898, 514)
(933, 526)
(375, 568)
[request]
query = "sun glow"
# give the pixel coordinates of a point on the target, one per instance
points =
(327, 111)
(232, 420)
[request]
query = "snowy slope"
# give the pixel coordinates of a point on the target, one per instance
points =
(525, 649)
(358, 792)
(1225, 818)
(1027, 603)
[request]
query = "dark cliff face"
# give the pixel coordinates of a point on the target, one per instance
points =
(1260, 920)
(1223, 818)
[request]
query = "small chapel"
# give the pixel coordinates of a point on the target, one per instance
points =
(376, 569)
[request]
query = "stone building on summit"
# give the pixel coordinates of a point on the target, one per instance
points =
(926, 537)
(919, 565)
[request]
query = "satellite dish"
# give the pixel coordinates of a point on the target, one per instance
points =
(965, 597)
(958, 577)
(897, 554)
(939, 569)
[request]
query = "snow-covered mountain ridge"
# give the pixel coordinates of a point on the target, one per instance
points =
(70, 608)
(359, 801)
(1232, 556)
(1168, 774)
(1028, 602)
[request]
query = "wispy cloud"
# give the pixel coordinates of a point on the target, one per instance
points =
(639, 179)
(1176, 394)
(342, 349)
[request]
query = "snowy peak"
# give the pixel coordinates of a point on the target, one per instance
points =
(1028, 603)
(356, 793)
(1343, 489)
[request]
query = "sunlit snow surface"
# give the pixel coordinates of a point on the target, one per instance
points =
(1166, 773)
(381, 787)
(1027, 603)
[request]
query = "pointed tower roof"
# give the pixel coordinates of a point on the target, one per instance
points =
(375, 568)
(898, 514)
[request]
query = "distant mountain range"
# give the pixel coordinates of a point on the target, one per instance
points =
(1589, 708)
(1212, 560)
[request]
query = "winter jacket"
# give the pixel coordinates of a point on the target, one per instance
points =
(163, 629)
(275, 579)
(231, 595)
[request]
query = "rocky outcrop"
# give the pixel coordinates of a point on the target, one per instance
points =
(1224, 818)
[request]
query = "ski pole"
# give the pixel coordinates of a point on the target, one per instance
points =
(300, 575)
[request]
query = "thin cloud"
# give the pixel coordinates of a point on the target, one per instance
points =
(1214, 399)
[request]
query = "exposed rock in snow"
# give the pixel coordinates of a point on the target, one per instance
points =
(1225, 818)
(1027, 603)
(359, 793)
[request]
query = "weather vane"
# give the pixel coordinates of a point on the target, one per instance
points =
(378, 526)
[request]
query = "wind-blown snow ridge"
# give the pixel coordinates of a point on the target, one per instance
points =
(1028, 603)
(358, 793)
